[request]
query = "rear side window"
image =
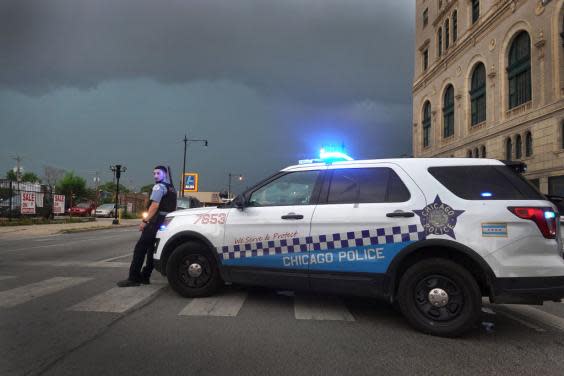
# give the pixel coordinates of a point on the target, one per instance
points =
(366, 185)
(485, 183)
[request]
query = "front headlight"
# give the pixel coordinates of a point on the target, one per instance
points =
(165, 223)
(144, 215)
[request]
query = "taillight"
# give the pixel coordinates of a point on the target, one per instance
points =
(545, 218)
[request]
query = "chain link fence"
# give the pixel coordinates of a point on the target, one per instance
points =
(11, 199)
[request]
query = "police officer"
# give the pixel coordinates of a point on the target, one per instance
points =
(162, 202)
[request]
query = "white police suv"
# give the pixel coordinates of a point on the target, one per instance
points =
(432, 235)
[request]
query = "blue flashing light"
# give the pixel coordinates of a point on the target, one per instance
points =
(162, 228)
(486, 194)
(333, 156)
(549, 214)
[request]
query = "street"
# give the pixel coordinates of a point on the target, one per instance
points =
(61, 314)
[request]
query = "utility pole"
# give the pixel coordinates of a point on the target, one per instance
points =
(18, 160)
(96, 184)
(117, 170)
(186, 140)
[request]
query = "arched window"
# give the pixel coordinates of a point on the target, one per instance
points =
(508, 148)
(528, 144)
(448, 112)
(469, 153)
(426, 123)
(518, 147)
(476, 155)
(478, 95)
(447, 34)
(519, 70)
(483, 151)
(454, 26)
(440, 41)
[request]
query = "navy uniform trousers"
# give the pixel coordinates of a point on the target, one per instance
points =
(144, 248)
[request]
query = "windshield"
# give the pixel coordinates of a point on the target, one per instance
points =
(106, 206)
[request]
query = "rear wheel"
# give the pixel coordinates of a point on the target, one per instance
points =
(439, 297)
(192, 271)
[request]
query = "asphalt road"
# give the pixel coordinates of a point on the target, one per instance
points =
(61, 314)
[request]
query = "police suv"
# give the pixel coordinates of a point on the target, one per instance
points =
(433, 236)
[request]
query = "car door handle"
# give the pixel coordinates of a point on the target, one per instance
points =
(292, 216)
(400, 214)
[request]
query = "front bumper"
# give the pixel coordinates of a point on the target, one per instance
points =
(528, 290)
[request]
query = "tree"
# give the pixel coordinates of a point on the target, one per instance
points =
(31, 177)
(108, 192)
(147, 188)
(111, 187)
(26, 177)
(74, 185)
(52, 174)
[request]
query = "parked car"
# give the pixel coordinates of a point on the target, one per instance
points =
(84, 209)
(105, 210)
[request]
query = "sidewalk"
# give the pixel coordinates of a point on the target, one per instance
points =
(28, 231)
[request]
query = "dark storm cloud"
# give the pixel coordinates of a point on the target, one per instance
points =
(319, 52)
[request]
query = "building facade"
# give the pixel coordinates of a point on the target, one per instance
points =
(489, 82)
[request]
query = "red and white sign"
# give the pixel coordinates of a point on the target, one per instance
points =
(58, 204)
(28, 203)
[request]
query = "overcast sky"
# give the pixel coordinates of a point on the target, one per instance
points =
(89, 83)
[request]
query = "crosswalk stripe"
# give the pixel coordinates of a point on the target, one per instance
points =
(538, 315)
(3, 277)
(23, 294)
(117, 299)
(79, 264)
(227, 304)
(321, 308)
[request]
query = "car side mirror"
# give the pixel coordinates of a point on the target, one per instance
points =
(239, 202)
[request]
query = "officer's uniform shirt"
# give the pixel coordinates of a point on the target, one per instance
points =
(159, 190)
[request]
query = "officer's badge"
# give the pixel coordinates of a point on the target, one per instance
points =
(438, 218)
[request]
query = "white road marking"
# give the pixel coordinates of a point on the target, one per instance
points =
(537, 315)
(227, 304)
(3, 277)
(117, 299)
(23, 294)
(523, 322)
(321, 308)
(80, 264)
(130, 254)
(70, 242)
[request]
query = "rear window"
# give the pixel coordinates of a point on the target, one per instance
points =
(485, 183)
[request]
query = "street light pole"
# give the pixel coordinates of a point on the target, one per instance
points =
(117, 170)
(186, 140)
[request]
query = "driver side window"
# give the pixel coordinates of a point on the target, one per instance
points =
(294, 188)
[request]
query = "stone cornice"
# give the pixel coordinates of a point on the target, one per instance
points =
(494, 130)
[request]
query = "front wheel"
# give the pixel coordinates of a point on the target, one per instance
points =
(192, 271)
(439, 297)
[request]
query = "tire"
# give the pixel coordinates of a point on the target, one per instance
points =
(452, 316)
(182, 281)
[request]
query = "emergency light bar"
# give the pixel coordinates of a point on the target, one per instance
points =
(326, 156)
